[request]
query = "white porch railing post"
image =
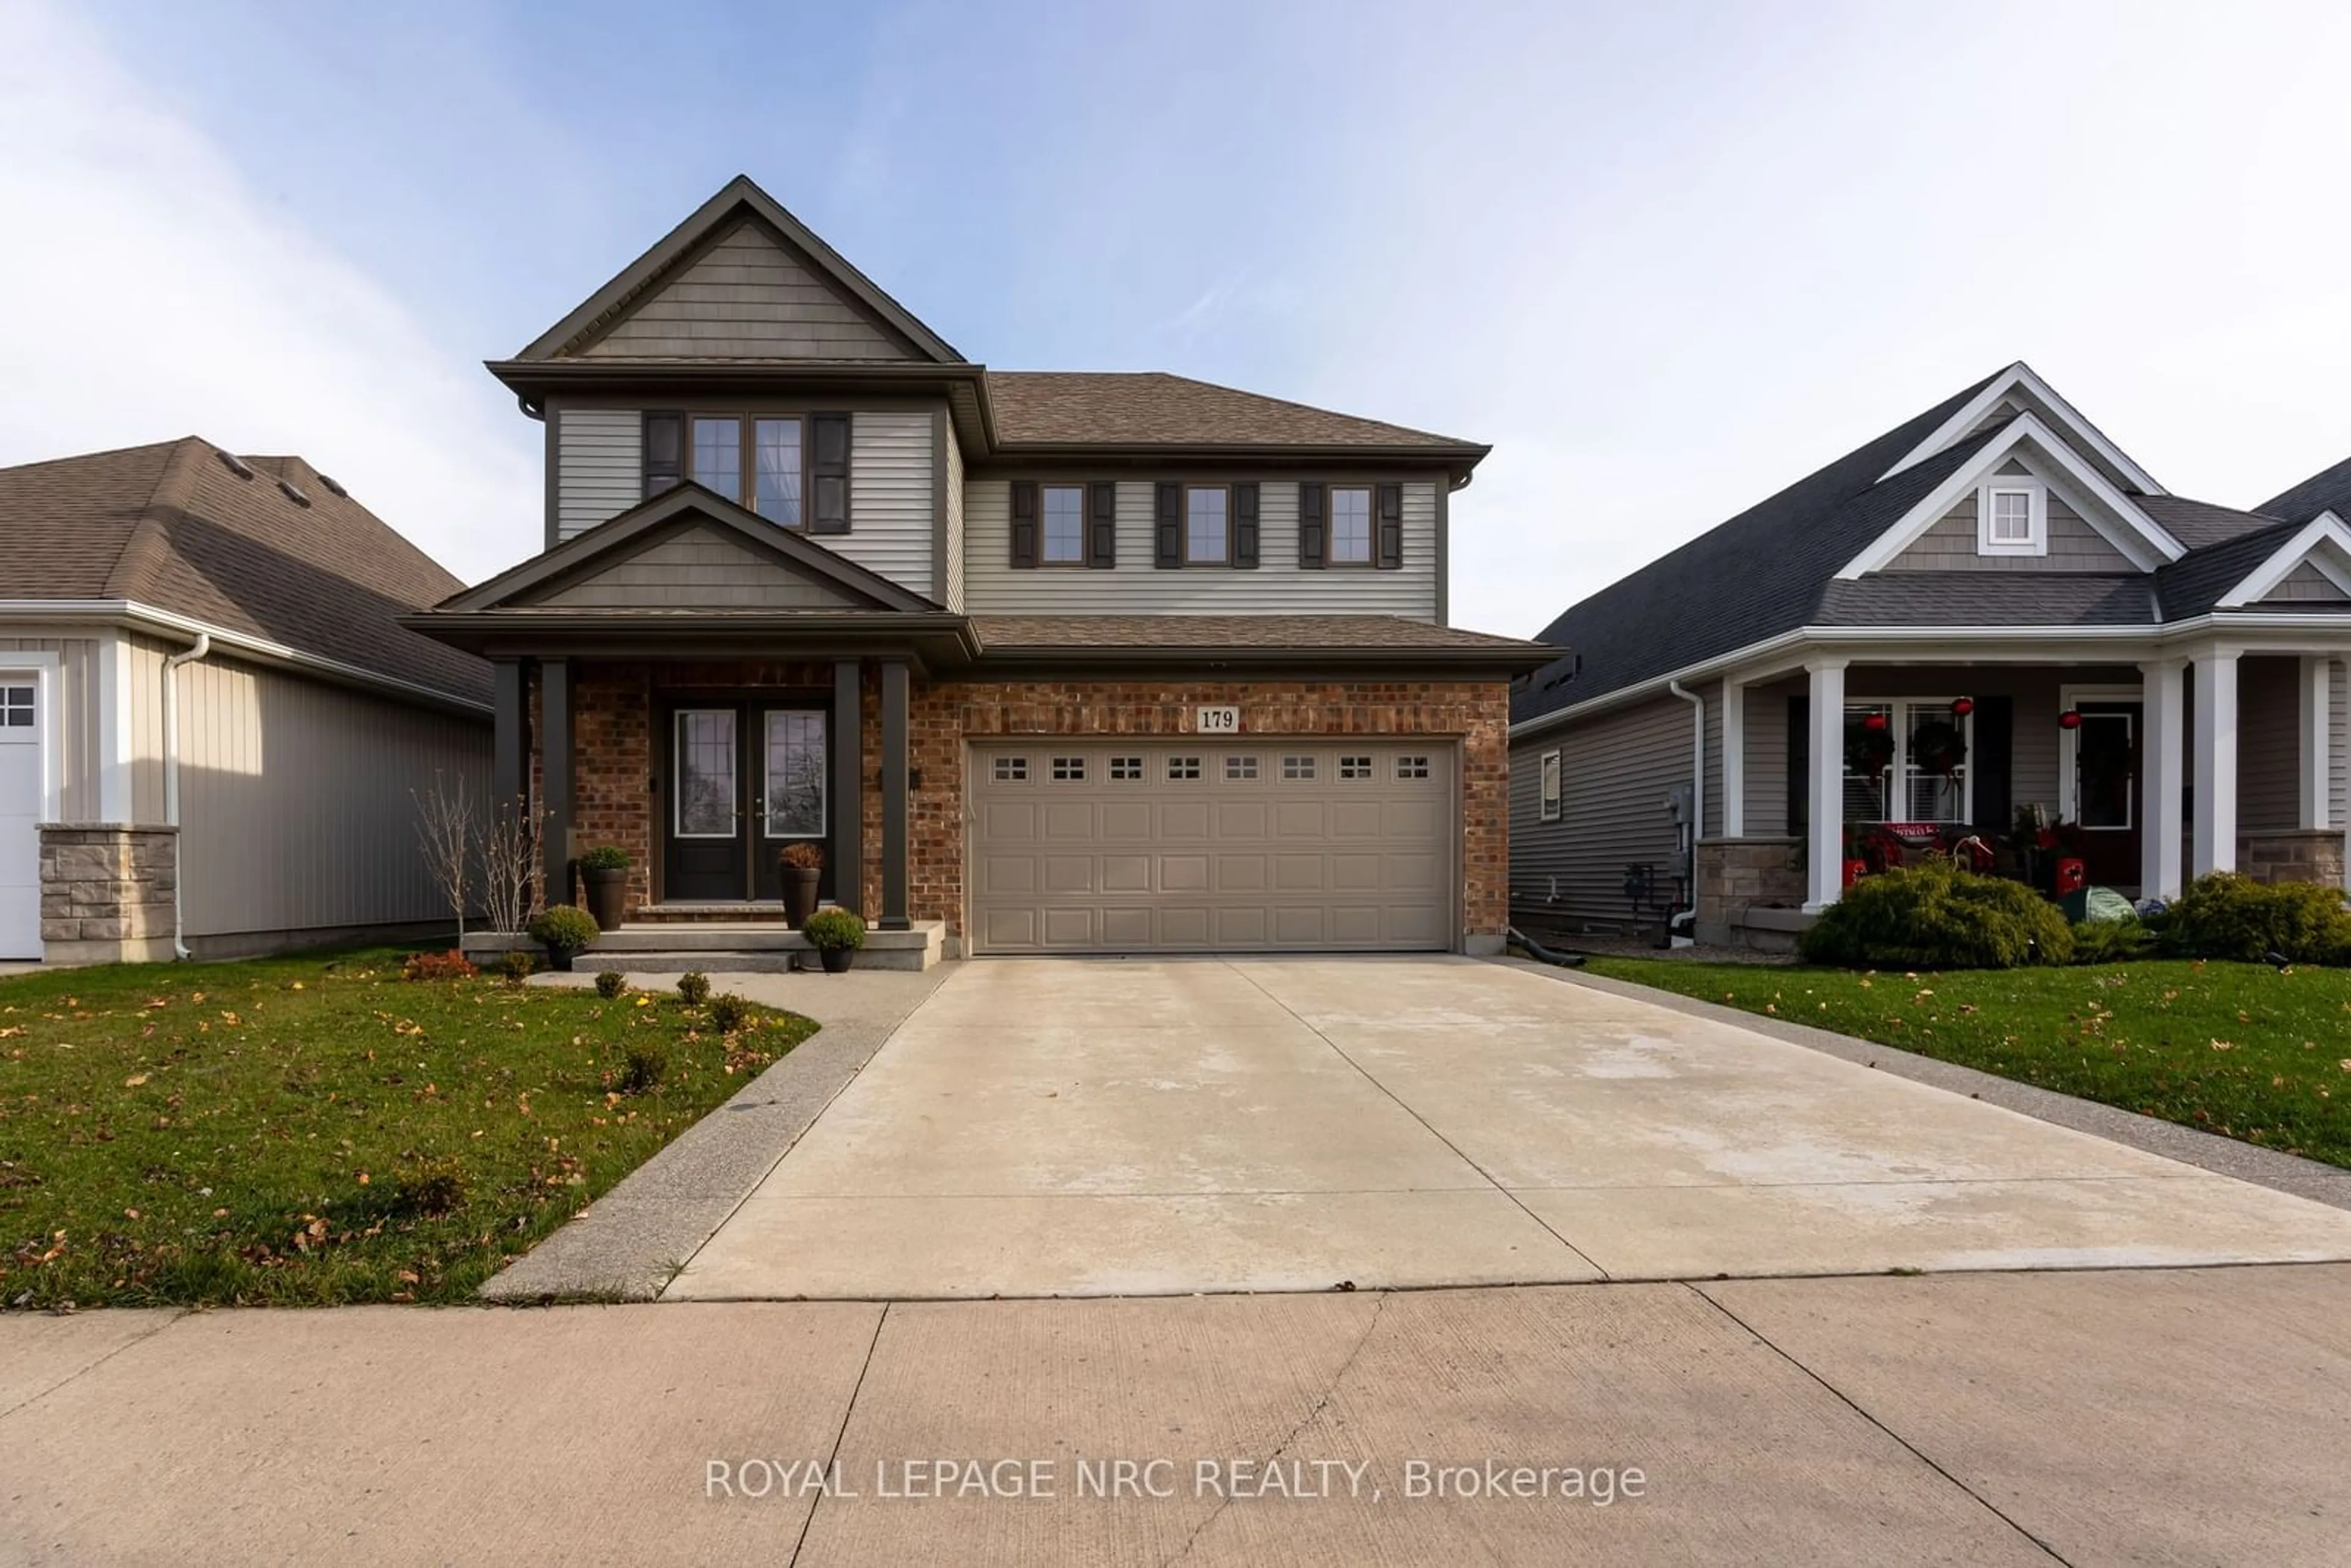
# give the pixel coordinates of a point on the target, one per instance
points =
(1825, 821)
(2317, 742)
(2215, 839)
(2163, 761)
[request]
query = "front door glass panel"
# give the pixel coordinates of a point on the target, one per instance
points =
(795, 775)
(705, 773)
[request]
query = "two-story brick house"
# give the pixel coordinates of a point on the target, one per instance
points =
(1059, 663)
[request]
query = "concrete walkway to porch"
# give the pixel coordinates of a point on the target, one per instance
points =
(1102, 1127)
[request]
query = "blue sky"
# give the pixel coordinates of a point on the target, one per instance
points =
(1666, 258)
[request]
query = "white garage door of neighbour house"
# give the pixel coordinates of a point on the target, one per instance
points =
(1211, 844)
(20, 815)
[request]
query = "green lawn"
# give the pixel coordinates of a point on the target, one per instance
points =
(2237, 1049)
(314, 1129)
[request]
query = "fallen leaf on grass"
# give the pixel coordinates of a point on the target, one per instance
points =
(135, 1080)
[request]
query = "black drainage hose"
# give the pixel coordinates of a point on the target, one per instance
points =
(1541, 954)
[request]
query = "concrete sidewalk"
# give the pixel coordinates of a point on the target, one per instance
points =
(2175, 1416)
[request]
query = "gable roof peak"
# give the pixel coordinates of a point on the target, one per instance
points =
(2018, 382)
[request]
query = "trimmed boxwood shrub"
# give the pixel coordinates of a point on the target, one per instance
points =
(1934, 917)
(563, 926)
(2228, 916)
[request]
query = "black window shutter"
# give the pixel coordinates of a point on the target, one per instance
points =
(665, 454)
(1800, 764)
(1167, 524)
(830, 469)
(1024, 522)
(1101, 524)
(1313, 509)
(1244, 527)
(1993, 760)
(1391, 522)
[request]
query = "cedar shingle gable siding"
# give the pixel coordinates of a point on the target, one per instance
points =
(748, 295)
(1951, 546)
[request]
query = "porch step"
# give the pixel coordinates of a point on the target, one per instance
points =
(755, 947)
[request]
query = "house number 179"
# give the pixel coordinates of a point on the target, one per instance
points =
(1218, 721)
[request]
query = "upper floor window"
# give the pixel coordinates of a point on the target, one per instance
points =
(1207, 524)
(759, 461)
(2013, 518)
(1064, 540)
(1351, 525)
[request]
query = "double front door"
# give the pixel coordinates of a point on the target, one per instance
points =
(744, 779)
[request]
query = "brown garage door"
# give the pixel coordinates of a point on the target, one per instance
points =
(1085, 845)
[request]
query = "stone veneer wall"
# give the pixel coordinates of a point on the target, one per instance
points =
(106, 893)
(1735, 875)
(2299, 855)
(614, 755)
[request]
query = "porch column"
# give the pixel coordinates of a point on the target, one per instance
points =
(2317, 741)
(847, 787)
(555, 773)
(2163, 761)
(2215, 847)
(1734, 759)
(509, 735)
(1825, 821)
(893, 796)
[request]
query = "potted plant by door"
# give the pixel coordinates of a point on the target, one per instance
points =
(605, 874)
(562, 929)
(802, 863)
(836, 933)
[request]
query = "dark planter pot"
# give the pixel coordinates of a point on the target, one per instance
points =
(559, 960)
(799, 893)
(837, 960)
(608, 895)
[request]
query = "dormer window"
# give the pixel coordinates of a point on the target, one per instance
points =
(2012, 519)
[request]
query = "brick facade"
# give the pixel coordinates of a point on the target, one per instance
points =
(2307, 855)
(613, 704)
(106, 893)
(1735, 875)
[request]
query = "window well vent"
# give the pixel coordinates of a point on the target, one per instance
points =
(234, 464)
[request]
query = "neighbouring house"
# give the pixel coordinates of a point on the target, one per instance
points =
(1990, 607)
(210, 718)
(1045, 662)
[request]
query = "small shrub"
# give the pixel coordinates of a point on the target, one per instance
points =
(693, 988)
(432, 1187)
(643, 1069)
(2228, 916)
(450, 965)
(804, 855)
(2111, 941)
(728, 1012)
(1933, 915)
(563, 927)
(605, 857)
(611, 984)
(834, 927)
(517, 965)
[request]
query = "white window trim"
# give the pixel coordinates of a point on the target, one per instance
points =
(1898, 715)
(1549, 794)
(2036, 540)
(2069, 743)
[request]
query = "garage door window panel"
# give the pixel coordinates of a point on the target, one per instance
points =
(1240, 770)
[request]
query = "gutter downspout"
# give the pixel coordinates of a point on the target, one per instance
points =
(1698, 789)
(203, 645)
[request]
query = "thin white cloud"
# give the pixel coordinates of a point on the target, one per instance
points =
(153, 294)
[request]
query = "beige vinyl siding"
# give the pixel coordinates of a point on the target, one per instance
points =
(1279, 586)
(600, 455)
(74, 719)
(145, 701)
(296, 800)
(1614, 773)
(890, 479)
(2269, 744)
(748, 295)
(2306, 584)
(1950, 546)
(700, 568)
(954, 597)
(1767, 758)
(1711, 803)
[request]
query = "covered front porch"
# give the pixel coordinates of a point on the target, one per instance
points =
(2146, 772)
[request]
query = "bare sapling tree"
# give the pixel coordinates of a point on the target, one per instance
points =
(444, 829)
(510, 846)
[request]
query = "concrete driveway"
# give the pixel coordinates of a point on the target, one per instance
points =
(1099, 1127)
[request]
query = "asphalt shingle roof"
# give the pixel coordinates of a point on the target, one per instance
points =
(1336, 634)
(1989, 599)
(2328, 490)
(1152, 408)
(2195, 583)
(171, 527)
(2199, 524)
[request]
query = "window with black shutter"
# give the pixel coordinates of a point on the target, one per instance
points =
(1023, 523)
(830, 471)
(1101, 525)
(1244, 527)
(1390, 527)
(1312, 511)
